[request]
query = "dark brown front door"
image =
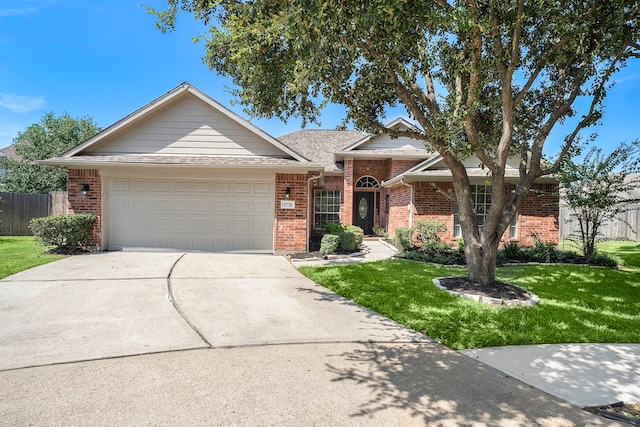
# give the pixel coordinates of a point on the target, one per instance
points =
(363, 211)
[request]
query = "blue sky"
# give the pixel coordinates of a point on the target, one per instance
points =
(105, 59)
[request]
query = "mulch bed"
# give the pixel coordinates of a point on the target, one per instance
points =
(627, 413)
(499, 290)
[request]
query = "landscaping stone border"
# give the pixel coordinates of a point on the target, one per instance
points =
(491, 301)
(363, 251)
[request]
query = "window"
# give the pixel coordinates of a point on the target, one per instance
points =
(513, 228)
(326, 208)
(367, 182)
(481, 195)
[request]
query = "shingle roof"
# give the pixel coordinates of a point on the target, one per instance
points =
(319, 145)
(207, 161)
(10, 152)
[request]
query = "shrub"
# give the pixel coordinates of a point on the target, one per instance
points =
(357, 232)
(67, 232)
(544, 252)
(404, 238)
(427, 230)
(329, 244)
(461, 246)
(603, 260)
(334, 228)
(348, 241)
(378, 230)
(512, 251)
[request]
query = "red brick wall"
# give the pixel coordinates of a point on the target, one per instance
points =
(396, 167)
(290, 227)
(435, 201)
(91, 203)
(538, 214)
(346, 213)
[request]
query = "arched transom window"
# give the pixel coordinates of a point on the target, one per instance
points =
(367, 182)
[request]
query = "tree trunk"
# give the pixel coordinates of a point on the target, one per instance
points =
(481, 261)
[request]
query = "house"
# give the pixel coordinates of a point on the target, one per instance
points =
(185, 172)
(8, 153)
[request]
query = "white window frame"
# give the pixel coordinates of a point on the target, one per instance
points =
(481, 194)
(326, 207)
(367, 181)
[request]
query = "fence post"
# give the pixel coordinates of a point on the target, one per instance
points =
(58, 203)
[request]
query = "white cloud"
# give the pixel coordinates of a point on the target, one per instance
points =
(21, 104)
(17, 11)
(627, 78)
(24, 7)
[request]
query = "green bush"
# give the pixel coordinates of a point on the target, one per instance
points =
(329, 244)
(427, 230)
(603, 260)
(334, 228)
(404, 238)
(348, 241)
(66, 232)
(357, 232)
(378, 230)
(512, 251)
(545, 252)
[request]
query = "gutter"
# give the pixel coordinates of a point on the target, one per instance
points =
(410, 202)
(309, 204)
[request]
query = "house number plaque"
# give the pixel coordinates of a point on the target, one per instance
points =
(287, 204)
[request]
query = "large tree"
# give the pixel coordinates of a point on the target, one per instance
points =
(51, 137)
(482, 78)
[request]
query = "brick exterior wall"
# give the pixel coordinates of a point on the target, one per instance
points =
(91, 203)
(346, 212)
(290, 226)
(538, 214)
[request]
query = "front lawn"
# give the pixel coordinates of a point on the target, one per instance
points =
(18, 253)
(578, 304)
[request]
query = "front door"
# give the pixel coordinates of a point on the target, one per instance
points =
(363, 211)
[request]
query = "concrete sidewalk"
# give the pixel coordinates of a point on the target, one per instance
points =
(374, 250)
(583, 374)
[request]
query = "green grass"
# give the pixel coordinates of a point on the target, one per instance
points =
(625, 252)
(578, 304)
(18, 253)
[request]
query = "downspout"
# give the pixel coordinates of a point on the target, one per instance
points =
(309, 204)
(410, 202)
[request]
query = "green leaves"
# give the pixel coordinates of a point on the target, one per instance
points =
(51, 137)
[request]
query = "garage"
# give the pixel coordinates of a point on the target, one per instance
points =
(191, 214)
(183, 172)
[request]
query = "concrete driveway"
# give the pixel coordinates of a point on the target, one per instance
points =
(215, 339)
(127, 303)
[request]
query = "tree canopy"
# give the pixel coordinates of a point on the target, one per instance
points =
(51, 137)
(484, 78)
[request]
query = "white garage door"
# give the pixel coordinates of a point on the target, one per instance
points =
(215, 215)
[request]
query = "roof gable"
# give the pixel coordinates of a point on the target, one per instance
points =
(185, 122)
(384, 142)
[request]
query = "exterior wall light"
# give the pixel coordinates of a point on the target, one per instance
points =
(287, 192)
(84, 189)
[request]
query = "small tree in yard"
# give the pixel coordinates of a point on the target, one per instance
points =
(596, 190)
(481, 78)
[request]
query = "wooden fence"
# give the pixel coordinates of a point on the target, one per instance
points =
(17, 209)
(626, 226)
